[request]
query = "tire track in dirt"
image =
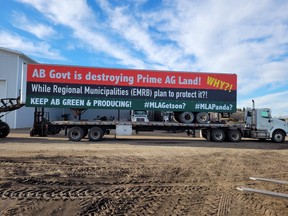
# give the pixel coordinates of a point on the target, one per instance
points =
(143, 198)
(155, 195)
(253, 204)
(182, 186)
(88, 193)
(226, 200)
(220, 203)
(224, 205)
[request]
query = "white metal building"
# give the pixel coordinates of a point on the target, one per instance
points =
(10, 82)
(10, 87)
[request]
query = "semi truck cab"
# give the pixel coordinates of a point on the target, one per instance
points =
(261, 125)
(139, 116)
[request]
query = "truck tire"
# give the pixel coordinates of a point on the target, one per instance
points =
(234, 135)
(278, 136)
(185, 117)
(95, 134)
(75, 134)
(202, 117)
(217, 135)
(4, 129)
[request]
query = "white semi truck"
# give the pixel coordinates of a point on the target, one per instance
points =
(176, 95)
(258, 125)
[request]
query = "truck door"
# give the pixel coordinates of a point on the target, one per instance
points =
(264, 120)
(248, 118)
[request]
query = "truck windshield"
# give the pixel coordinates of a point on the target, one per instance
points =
(140, 112)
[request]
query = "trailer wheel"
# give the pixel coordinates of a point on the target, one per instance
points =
(4, 129)
(234, 135)
(217, 135)
(75, 134)
(202, 117)
(278, 136)
(95, 134)
(185, 117)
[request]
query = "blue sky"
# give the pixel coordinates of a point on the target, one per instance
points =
(248, 37)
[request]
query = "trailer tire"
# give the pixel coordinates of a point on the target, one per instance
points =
(4, 129)
(185, 117)
(75, 134)
(95, 134)
(217, 135)
(234, 135)
(278, 136)
(202, 117)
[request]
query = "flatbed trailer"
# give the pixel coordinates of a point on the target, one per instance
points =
(258, 125)
(76, 130)
(183, 94)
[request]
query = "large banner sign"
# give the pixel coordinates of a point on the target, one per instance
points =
(107, 88)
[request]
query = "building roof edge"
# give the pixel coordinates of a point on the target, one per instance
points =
(18, 53)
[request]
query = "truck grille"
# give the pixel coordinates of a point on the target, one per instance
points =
(140, 119)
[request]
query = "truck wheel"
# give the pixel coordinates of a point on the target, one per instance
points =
(186, 117)
(75, 134)
(4, 129)
(95, 134)
(202, 117)
(217, 135)
(234, 135)
(278, 136)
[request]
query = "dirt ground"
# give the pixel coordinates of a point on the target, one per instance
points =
(142, 175)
